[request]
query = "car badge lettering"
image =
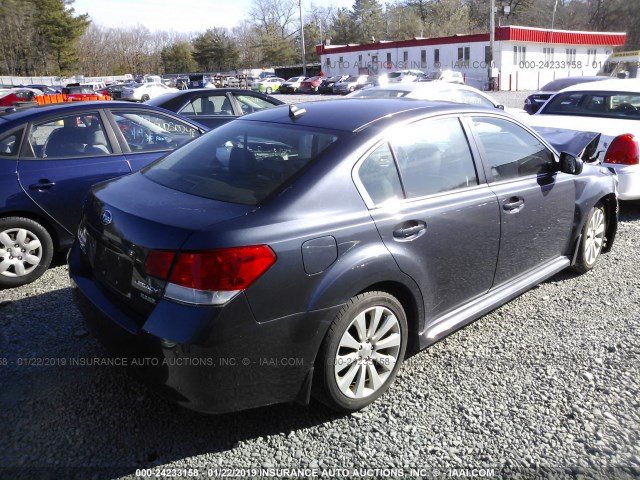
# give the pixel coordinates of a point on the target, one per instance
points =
(106, 217)
(146, 287)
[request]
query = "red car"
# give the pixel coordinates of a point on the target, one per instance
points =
(311, 84)
(17, 95)
(76, 92)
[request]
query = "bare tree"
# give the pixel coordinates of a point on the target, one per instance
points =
(274, 16)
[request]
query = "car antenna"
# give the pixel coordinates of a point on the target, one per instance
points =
(295, 112)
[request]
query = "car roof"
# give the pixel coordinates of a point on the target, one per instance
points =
(25, 114)
(417, 86)
(353, 114)
(564, 82)
(613, 85)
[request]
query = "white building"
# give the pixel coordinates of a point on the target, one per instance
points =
(525, 58)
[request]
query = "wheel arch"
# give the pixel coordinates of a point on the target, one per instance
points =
(610, 203)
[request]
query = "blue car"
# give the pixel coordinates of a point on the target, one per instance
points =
(303, 250)
(51, 155)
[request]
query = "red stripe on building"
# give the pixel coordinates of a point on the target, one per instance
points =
(513, 34)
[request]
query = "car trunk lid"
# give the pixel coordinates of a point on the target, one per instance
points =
(123, 224)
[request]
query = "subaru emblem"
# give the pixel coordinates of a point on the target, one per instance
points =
(106, 217)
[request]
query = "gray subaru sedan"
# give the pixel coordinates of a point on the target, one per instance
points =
(304, 250)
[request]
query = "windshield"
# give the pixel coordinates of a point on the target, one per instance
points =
(595, 104)
(240, 162)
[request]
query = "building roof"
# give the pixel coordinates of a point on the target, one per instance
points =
(510, 33)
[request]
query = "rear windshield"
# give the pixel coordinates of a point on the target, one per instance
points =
(240, 162)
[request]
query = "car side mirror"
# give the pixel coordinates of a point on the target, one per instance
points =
(501, 107)
(570, 164)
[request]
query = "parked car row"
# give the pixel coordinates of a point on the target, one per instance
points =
(344, 84)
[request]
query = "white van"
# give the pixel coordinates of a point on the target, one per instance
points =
(94, 85)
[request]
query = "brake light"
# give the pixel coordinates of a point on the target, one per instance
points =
(227, 269)
(158, 263)
(623, 150)
(210, 277)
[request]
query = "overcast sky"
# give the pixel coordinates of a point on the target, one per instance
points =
(174, 15)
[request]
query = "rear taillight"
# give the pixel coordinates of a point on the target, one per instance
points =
(623, 150)
(210, 277)
(158, 263)
(222, 270)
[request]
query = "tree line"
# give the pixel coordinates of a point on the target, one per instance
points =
(48, 38)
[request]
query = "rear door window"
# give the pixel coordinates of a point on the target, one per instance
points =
(77, 135)
(379, 176)
(434, 157)
(151, 131)
(208, 105)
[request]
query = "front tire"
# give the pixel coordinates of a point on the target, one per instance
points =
(26, 250)
(593, 237)
(362, 352)
(144, 98)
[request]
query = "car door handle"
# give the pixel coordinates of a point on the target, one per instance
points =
(42, 185)
(409, 229)
(513, 204)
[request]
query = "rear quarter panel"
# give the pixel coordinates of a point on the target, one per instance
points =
(311, 209)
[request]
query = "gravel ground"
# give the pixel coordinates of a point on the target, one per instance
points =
(545, 386)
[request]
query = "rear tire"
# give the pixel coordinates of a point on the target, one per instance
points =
(362, 352)
(268, 91)
(26, 250)
(593, 237)
(144, 98)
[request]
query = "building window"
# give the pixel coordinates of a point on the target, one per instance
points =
(436, 58)
(464, 54)
(571, 55)
(328, 61)
(548, 54)
(423, 59)
(487, 55)
(519, 55)
(405, 57)
(374, 63)
(388, 64)
(591, 56)
(359, 60)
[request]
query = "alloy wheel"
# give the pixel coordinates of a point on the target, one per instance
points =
(368, 352)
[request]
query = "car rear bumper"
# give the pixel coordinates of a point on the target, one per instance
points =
(208, 359)
(628, 181)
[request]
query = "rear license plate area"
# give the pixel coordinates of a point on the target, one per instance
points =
(113, 269)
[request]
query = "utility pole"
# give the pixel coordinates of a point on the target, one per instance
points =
(492, 40)
(304, 60)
